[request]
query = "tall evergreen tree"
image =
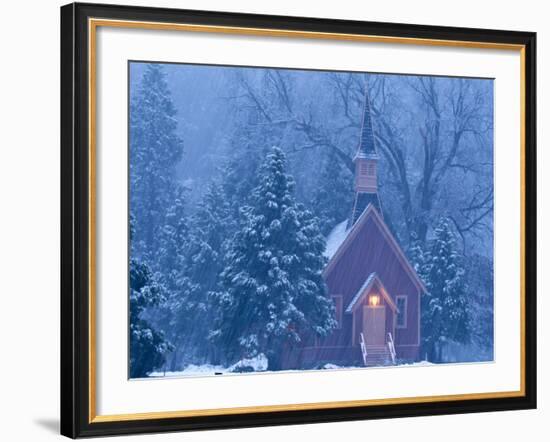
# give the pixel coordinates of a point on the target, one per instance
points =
(211, 226)
(155, 150)
(241, 175)
(171, 259)
(480, 287)
(445, 308)
(171, 240)
(273, 291)
(148, 347)
(418, 256)
(157, 199)
(333, 198)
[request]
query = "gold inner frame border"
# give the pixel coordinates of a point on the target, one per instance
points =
(93, 24)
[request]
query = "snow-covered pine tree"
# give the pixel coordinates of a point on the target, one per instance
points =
(155, 150)
(157, 199)
(170, 258)
(171, 241)
(480, 287)
(445, 308)
(241, 175)
(333, 197)
(420, 258)
(148, 347)
(273, 292)
(211, 226)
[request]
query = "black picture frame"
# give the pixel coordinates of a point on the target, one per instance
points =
(75, 220)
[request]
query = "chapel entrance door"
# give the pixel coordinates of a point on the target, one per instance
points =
(374, 324)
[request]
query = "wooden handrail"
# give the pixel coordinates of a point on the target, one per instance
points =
(363, 348)
(391, 347)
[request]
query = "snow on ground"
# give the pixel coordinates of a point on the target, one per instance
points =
(259, 364)
(411, 364)
(335, 238)
(331, 367)
(417, 364)
(190, 370)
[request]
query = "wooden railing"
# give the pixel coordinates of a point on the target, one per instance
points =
(391, 347)
(363, 348)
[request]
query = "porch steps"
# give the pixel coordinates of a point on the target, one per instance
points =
(378, 355)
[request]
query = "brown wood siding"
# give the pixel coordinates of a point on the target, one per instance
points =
(316, 357)
(341, 336)
(370, 252)
(409, 334)
(389, 321)
(358, 325)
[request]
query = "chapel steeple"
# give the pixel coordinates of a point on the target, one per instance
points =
(366, 165)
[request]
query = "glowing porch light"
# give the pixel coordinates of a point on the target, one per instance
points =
(374, 300)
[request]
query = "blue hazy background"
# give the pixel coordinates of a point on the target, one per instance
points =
(201, 145)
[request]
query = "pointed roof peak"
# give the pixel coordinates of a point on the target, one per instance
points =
(371, 213)
(364, 290)
(366, 148)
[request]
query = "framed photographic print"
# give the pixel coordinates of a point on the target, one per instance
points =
(274, 220)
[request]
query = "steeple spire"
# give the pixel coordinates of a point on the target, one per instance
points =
(366, 165)
(366, 148)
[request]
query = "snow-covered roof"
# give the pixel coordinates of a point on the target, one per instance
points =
(367, 282)
(335, 238)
